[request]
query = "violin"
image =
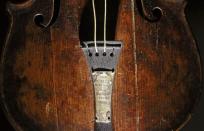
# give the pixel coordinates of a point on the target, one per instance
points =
(99, 65)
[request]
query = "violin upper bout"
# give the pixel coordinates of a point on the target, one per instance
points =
(11, 7)
(180, 3)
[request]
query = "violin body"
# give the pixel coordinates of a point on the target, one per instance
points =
(46, 82)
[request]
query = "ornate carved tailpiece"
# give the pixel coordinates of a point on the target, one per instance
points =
(102, 66)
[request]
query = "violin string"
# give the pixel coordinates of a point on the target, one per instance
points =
(105, 21)
(95, 25)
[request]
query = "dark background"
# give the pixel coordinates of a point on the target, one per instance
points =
(195, 16)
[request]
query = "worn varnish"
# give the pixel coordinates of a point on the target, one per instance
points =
(46, 84)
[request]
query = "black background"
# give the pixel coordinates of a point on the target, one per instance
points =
(195, 16)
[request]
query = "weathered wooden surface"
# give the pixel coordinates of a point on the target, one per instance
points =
(46, 84)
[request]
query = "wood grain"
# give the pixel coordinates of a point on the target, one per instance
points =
(46, 84)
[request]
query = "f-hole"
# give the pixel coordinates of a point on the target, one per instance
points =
(86, 32)
(39, 18)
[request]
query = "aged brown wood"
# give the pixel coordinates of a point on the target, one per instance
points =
(46, 84)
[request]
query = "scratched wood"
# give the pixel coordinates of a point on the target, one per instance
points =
(46, 84)
(159, 75)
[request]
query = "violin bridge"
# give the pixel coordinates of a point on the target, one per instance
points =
(102, 67)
